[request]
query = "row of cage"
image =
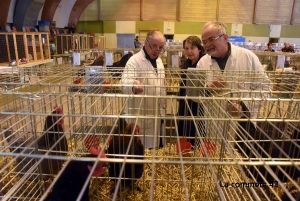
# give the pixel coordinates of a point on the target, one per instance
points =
(26, 48)
(23, 48)
(175, 58)
(205, 153)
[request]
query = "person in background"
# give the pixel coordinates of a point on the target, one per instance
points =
(288, 48)
(125, 58)
(52, 47)
(194, 51)
(137, 43)
(52, 31)
(145, 74)
(223, 62)
(270, 48)
(72, 28)
(122, 63)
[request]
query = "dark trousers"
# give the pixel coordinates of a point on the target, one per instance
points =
(187, 128)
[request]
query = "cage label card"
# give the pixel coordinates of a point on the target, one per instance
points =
(76, 59)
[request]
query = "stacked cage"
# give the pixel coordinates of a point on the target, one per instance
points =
(67, 42)
(271, 62)
(202, 148)
(24, 48)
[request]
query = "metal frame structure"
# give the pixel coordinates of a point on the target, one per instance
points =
(247, 164)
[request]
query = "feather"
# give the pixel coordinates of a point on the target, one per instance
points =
(264, 148)
(70, 183)
(52, 132)
(119, 145)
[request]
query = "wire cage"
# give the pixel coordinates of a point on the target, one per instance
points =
(67, 42)
(24, 48)
(91, 41)
(80, 41)
(113, 59)
(209, 151)
(173, 58)
(270, 60)
(63, 42)
(101, 42)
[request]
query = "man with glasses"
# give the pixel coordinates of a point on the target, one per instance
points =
(235, 68)
(144, 74)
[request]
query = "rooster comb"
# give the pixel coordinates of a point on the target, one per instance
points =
(58, 109)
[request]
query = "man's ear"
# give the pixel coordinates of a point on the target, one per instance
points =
(225, 37)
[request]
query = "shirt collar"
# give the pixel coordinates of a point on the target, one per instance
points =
(152, 61)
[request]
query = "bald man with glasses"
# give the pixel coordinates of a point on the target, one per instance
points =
(144, 74)
(224, 63)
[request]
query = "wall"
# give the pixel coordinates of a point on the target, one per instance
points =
(62, 13)
(181, 30)
(90, 27)
(290, 34)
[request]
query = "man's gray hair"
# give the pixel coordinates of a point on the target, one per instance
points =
(220, 26)
(155, 33)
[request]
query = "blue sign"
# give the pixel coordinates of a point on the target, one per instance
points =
(236, 39)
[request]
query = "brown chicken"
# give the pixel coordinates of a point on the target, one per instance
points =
(53, 133)
(70, 183)
(127, 140)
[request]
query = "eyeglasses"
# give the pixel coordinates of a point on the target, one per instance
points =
(155, 47)
(212, 39)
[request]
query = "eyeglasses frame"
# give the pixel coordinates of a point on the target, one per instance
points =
(162, 50)
(212, 39)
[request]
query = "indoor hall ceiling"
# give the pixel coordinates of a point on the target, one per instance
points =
(281, 12)
(66, 12)
(26, 12)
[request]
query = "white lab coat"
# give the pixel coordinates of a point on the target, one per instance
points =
(139, 68)
(240, 60)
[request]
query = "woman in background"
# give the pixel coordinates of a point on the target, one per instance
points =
(193, 50)
(270, 48)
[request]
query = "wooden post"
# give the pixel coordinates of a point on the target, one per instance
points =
(16, 51)
(8, 49)
(41, 46)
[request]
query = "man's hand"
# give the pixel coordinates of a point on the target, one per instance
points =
(234, 108)
(219, 83)
(136, 88)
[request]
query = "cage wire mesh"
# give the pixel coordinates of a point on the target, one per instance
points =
(270, 60)
(249, 155)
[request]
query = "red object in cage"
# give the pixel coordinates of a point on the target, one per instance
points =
(77, 80)
(23, 60)
(92, 141)
(106, 84)
(209, 146)
(109, 141)
(183, 146)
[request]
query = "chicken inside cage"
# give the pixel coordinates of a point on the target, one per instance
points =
(52, 141)
(252, 154)
(71, 182)
(100, 73)
(122, 144)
